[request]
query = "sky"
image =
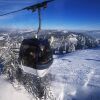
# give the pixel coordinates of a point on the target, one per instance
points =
(60, 14)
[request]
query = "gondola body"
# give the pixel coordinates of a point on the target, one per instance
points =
(35, 56)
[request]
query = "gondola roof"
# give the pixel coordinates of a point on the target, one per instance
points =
(35, 42)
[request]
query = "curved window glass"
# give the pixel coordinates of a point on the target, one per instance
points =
(33, 55)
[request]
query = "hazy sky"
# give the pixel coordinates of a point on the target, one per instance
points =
(60, 14)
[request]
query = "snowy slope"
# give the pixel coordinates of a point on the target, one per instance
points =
(8, 92)
(72, 73)
(75, 71)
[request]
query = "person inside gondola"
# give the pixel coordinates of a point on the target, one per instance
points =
(44, 54)
(29, 55)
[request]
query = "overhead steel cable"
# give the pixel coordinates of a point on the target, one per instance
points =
(33, 8)
(11, 12)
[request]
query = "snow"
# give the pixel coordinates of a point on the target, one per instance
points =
(8, 92)
(2, 38)
(65, 31)
(72, 40)
(71, 72)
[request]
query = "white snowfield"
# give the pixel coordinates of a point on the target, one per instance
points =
(73, 71)
(2, 38)
(8, 92)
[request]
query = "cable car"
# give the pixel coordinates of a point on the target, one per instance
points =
(35, 55)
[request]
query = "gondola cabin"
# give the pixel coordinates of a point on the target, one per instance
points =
(35, 56)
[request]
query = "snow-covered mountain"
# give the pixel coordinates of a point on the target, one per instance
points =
(95, 33)
(75, 76)
(69, 74)
(60, 40)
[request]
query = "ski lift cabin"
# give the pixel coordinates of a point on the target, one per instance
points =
(36, 53)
